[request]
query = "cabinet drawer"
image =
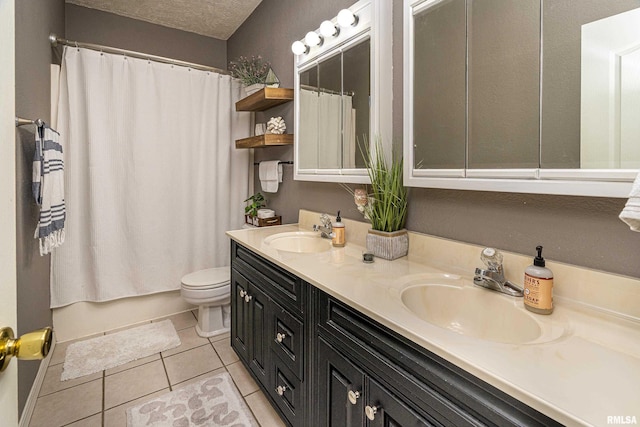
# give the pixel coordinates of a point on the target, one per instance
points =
(287, 393)
(281, 285)
(287, 340)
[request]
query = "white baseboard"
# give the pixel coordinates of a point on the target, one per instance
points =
(30, 404)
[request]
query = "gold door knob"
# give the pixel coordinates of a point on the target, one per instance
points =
(32, 346)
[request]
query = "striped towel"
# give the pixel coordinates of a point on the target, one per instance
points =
(48, 189)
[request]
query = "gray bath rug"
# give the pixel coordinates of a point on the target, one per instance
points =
(108, 351)
(213, 401)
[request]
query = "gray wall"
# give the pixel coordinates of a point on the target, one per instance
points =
(35, 19)
(94, 26)
(578, 230)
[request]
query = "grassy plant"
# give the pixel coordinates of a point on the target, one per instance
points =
(387, 207)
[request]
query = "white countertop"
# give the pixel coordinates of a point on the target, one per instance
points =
(587, 374)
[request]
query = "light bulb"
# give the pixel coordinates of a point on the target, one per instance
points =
(298, 48)
(346, 18)
(328, 29)
(312, 39)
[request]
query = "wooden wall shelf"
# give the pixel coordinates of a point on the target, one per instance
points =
(265, 99)
(266, 140)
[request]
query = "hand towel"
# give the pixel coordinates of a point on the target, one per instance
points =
(48, 189)
(270, 174)
(631, 212)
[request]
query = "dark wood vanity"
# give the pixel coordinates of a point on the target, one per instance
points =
(322, 363)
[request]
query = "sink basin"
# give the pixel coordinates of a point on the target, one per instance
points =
(299, 242)
(476, 312)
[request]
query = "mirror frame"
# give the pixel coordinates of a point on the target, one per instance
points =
(575, 182)
(375, 24)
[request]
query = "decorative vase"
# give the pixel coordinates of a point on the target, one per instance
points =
(253, 88)
(388, 245)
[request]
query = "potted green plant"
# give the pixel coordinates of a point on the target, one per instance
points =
(254, 203)
(252, 72)
(386, 207)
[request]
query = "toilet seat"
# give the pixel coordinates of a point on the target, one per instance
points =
(210, 278)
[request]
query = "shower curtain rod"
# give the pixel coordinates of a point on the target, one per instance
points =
(55, 41)
(289, 162)
(329, 91)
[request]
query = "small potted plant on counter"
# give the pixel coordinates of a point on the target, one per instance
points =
(256, 214)
(386, 204)
(254, 203)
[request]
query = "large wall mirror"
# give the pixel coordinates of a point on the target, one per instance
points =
(338, 88)
(522, 95)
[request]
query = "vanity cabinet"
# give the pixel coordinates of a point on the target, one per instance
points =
(348, 397)
(267, 329)
(399, 383)
(322, 363)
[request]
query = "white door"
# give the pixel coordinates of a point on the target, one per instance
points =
(8, 378)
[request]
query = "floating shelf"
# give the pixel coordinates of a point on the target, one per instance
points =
(266, 140)
(265, 99)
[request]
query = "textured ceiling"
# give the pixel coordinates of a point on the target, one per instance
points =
(213, 18)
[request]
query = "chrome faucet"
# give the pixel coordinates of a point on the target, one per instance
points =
(493, 276)
(326, 229)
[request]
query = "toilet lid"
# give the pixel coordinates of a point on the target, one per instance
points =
(209, 278)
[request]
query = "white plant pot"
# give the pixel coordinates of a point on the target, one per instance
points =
(388, 245)
(253, 88)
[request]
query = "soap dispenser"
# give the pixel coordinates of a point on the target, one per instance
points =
(538, 286)
(338, 232)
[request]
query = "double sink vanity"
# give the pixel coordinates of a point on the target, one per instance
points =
(334, 341)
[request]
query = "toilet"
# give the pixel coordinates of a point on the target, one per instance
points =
(210, 290)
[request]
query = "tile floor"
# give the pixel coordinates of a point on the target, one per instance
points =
(102, 399)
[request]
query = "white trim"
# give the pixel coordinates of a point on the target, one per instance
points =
(578, 182)
(502, 173)
(30, 404)
(375, 22)
(8, 306)
(534, 186)
(438, 173)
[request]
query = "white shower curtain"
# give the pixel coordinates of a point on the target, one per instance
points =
(153, 180)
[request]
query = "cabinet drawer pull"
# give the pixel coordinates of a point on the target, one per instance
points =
(242, 293)
(353, 396)
(371, 411)
(280, 390)
(280, 336)
(247, 298)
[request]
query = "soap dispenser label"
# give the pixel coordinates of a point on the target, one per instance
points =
(538, 292)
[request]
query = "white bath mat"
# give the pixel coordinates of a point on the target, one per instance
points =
(214, 401)
(108, 351)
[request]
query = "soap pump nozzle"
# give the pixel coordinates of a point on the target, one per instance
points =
(539, 260)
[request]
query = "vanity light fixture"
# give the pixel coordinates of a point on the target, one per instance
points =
(346, 18)
(328, 29)
(298, 48)
(313, 39)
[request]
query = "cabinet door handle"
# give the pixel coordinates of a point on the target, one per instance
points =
(371, 411)
(280, 336)
(353, 396)
(242, 293)
(247, 298)
(280, 390)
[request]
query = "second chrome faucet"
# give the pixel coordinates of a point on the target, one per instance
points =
(492, 277)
